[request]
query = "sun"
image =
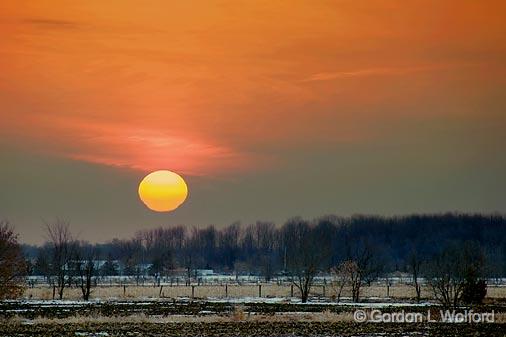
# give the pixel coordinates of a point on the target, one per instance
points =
(163, 191)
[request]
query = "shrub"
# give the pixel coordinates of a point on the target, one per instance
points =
(474, 291)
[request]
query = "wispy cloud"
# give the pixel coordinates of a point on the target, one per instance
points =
(378, 71)
(52, 23)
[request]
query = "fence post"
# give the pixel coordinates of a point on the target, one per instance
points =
(160, 294)
(226, 290)
(124, 290)
(193, 291)
(323, 291)
(259, 290)
(291, 290)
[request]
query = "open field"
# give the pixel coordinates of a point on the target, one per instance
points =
(251, 329)
(172, 311)
(200, 308)
(204, 318)
(247, 308)
(398, 291)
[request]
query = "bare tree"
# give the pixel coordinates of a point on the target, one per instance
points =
(355, 281)
(85, 267)
(110, 267)
(228, 243)
(342, 276)
(189, 258)
(265, 237)
(450, 271)
(130, 252)
(12, 263)
(306, 249)
(62, 248)
(414, 265)
(366, 269)
(42, 264)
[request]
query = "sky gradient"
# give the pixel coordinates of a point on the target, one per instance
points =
(269, 109)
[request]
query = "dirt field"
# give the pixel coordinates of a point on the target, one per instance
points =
(117, 311)
(166, 317)
(251, 329)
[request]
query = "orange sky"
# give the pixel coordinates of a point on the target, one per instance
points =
(211, 87)
(329, 106)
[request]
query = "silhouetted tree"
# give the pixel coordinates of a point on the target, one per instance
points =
(414, 267)
(12, 263)
(85, 264)
(367, 266)
(457, 265)
(110, 267)
(306, 251)
(62, 247)
(42, 264)
(342, 276)
(263, 249)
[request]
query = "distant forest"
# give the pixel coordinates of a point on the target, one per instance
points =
(266, 249)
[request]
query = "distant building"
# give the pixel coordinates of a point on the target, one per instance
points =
(204, 272)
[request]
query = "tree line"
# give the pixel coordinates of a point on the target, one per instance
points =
(455, 253)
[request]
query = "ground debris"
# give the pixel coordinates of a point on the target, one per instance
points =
(255, 329)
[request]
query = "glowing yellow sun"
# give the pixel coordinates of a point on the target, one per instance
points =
(163, 191)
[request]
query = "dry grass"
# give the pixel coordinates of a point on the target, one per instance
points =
(500, 317)
(132, 292)
(237, 316)
(399, 291)
(496, 291)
